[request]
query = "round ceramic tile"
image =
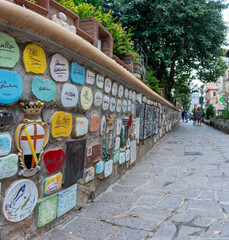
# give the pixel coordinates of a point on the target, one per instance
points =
(90, 77)
(130, 94)
(129, 106)
(134, 96)
(126, 93)
(124, 106)
(69, 95)
(112, 104)
(103, 124)
(98, 99)
(86, 98)
(119, 105)
(114, 89)
(20, 200)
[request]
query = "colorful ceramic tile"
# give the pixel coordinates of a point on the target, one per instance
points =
(122, 157)
(5, 143)
(75, 158)
(116, 156)
(77, 73)
(127, 155)
(95, 154)
(99, 167)
(34, 59)
(130, 94)
(124, 106)
(108, 168)
(129, 106)
(137, 136)
(86, 98)
(114, 89)
(20, 200)
(103, 125)
(11, 86)
(52, 184)
(107, 85)
(47, 211)
(118, 126)
(61, 124)
(128, 143)
(31, 137)
(99, 81)
(69, 95)
(66, 200)
(81, 126)
(98, 99)
(44, 90)
(110, 141)
(106, 102)
(120, 91)
(112, 104)
(6, 118)
(126, 93)
(119, 105)
(94, 123)
(117, 143)
(90, 174)
(8, 166)
(53, 160)
(90, 77)
(9, 51)
(59, 68)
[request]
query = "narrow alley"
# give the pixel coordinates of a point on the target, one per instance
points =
(180, 190)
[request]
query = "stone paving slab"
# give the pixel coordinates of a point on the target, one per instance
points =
(166, 196)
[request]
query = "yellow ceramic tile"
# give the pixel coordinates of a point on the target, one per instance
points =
(34, 59)
(61, 124)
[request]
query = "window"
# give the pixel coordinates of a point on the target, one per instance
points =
(214, 94)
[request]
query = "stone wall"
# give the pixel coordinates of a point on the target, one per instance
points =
(69, 127)
(219, 124)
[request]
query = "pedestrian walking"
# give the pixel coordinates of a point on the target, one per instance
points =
(194, 116)
(199, 115)
(182, 115)
(185, 115)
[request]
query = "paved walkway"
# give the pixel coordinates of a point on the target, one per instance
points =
(180, 190)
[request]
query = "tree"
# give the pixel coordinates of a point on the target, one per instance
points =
(176, 34)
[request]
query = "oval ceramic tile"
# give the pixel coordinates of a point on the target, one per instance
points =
(124, 106)
(59, 68)
(129, 106)
(61, 124)
(116, 156)
(133, 109)
(9, 51)
(120, 91)
(103, 124)
(34, 59)
(119, 105)
(99, 81)
(69, 95)
(86, 98)
(134, 96)
(11, 86)
(44, 90)
(117, 143)
(52, 184)
(126, 93)
(139, 98)
(54, 159)
(107, 85)
(122, 157)
(77, 73)
(81, 126)
(106, 102)
(98, 99)
(114, 89)
(118, 126)
(90, 77)
(5, 143)
(130, 94)
(112, 104)
(20, 200)
(8, 166)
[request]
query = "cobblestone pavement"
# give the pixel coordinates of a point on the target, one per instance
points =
(180, 190)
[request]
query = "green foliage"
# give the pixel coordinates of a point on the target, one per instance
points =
(122, 37)
(176, 35)
(210, 112)
(151, 81)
